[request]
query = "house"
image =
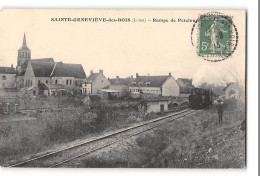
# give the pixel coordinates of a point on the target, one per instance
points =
(231, 90)
(155, 86)
(120, 84)
(94, 83)
(155, 105)
(7, 77)
(118, 87)
(185, 86)
(53, 89)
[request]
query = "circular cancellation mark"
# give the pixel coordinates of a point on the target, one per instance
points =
(215, 36)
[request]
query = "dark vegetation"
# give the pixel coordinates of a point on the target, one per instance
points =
(73, 121)
(194, 142)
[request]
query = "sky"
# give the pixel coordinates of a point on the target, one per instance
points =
(120, 49)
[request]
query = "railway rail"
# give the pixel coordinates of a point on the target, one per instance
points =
(65, 155)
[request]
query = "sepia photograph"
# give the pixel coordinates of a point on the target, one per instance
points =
(123, 88)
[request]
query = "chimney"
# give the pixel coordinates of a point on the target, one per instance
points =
(136, 75)
(117, 79)
(91, 71)
(101, 71)
(170, 74)
(12, 66)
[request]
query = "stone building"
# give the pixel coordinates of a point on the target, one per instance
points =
(155, 86)
(94, 83)
(118, 87)
(7, 77)
(33, 72)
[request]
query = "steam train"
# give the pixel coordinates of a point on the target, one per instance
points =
(200, 98)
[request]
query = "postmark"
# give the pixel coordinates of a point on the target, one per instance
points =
(214, 36)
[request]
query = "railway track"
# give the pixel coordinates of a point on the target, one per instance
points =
(64, 155)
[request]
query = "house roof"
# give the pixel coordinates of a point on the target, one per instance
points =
(150, 81)
(121, 81)
(92, 77)
(55, 86)
(7, 70)
(187, 82)
(110, 90)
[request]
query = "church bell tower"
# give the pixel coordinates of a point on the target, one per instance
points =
(24, 54)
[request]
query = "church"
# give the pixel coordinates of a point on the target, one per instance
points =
(45, 73)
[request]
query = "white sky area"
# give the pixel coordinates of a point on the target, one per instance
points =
(120, 49)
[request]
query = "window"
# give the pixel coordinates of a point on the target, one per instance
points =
(46, 81)
(67, 82)
(101, 81)
(3, 77)
(76, 83)
(56, 81)
(39, 81)
(70, 82)
(3, 84)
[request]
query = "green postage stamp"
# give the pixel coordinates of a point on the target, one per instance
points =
(215, 35)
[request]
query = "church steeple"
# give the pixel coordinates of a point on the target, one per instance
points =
(24, 46)
(24, 54)
(24, 41)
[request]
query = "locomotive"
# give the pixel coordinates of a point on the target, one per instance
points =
(200, 98)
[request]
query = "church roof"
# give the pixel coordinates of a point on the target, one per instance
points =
(7, 70)
(24, 66)
(43, 60)
(69, 70)
(57, 69)
(42, 69)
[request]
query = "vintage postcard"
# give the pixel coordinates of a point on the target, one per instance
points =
(122, 88)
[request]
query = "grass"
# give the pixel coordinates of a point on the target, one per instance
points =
(194, 142)
(18, 139)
